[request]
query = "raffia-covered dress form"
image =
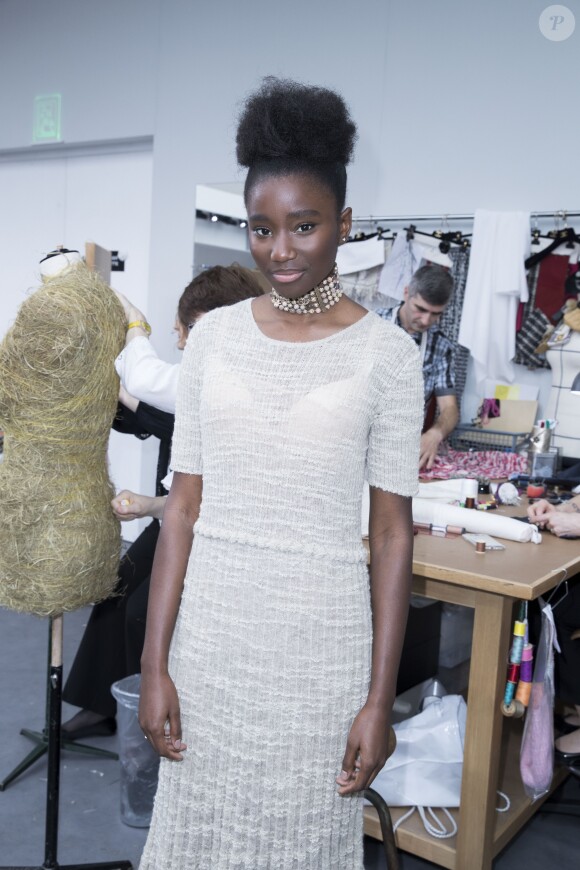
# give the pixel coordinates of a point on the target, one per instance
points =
(271, 651)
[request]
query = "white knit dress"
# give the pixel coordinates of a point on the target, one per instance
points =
(271, 651)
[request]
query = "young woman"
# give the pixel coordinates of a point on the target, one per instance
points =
(276, 693)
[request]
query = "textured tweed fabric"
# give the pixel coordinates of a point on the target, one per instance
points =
(271, 652)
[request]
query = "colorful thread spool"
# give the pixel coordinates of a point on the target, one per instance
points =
(524, 688)
(515, 709)
(515, 659)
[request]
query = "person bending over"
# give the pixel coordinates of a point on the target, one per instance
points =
(425, 300)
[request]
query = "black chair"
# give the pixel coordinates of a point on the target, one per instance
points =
(386, 823)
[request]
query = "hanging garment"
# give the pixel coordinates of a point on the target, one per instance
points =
(363, 287)
(552, 274)
(399, 268)
(531, 325)
(451, 317)
(356, 256)
(406, 256)
(496, 283)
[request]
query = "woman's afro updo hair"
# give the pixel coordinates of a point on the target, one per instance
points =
(288, 127)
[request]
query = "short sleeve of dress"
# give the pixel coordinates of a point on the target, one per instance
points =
(186, 449)
(395, 433)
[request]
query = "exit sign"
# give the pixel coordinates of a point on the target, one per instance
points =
(46, 119)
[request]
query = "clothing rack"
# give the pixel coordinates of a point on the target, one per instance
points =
(560, 214)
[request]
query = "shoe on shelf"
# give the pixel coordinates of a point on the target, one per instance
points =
(562, 726)
(567, 758)
(88, 724)
(567, 747)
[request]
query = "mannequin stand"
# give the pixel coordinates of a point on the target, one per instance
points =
(54, 693)
(41, 738)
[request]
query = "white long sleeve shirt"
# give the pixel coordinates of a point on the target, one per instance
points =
(146, 377)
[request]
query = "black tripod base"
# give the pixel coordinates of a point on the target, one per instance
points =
(41, 748)
(50, 742)
(107, 865)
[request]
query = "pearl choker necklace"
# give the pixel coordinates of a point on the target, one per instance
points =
(319, 299)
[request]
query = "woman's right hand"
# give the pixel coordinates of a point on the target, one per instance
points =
(129, 505)
(159, 716)
(132, 313)
(540, 512)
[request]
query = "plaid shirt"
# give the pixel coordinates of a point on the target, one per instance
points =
(439, 361)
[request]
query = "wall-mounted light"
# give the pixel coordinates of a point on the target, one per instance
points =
(220, 218)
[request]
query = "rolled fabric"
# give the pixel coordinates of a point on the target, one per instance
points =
(478, 522)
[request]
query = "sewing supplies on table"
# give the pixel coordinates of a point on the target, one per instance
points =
(483, 542)
(490, 505)
(506, 493)
(535, 490)
(446, 531)
(470, 490)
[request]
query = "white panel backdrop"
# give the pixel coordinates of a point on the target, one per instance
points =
(105, 198)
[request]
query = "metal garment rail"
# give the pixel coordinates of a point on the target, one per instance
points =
(559, 215)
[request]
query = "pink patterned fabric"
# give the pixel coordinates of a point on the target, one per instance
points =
(494, 464)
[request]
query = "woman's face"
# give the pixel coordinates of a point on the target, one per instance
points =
(294, 231)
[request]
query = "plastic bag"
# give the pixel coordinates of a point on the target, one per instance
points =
(425, 768)
(424, 772)
(537, 750)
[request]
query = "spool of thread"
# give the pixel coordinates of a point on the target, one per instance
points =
(518, 642)
(470, 487)
(523, 693)
(470, 502)
(510, 690)
(535, 490)
(524, 689)
(480, 547)
(528, 652)
(515, 709)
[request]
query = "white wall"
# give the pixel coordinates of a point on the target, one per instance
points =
(101, 57)
(459, 105)
(104, 198)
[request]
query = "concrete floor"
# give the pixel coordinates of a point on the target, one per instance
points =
(90, 826)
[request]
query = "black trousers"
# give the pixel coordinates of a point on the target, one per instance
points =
(567, 664)
(112, 643)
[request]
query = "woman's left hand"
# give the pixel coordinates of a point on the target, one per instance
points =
(367, 750)
(563, 523)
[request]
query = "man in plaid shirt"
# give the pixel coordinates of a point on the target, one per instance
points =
(425, 299)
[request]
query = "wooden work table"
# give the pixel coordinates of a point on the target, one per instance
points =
(450, 570)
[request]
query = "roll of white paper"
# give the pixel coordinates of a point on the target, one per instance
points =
(481, 522)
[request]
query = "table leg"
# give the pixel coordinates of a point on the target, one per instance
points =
(491, 637)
